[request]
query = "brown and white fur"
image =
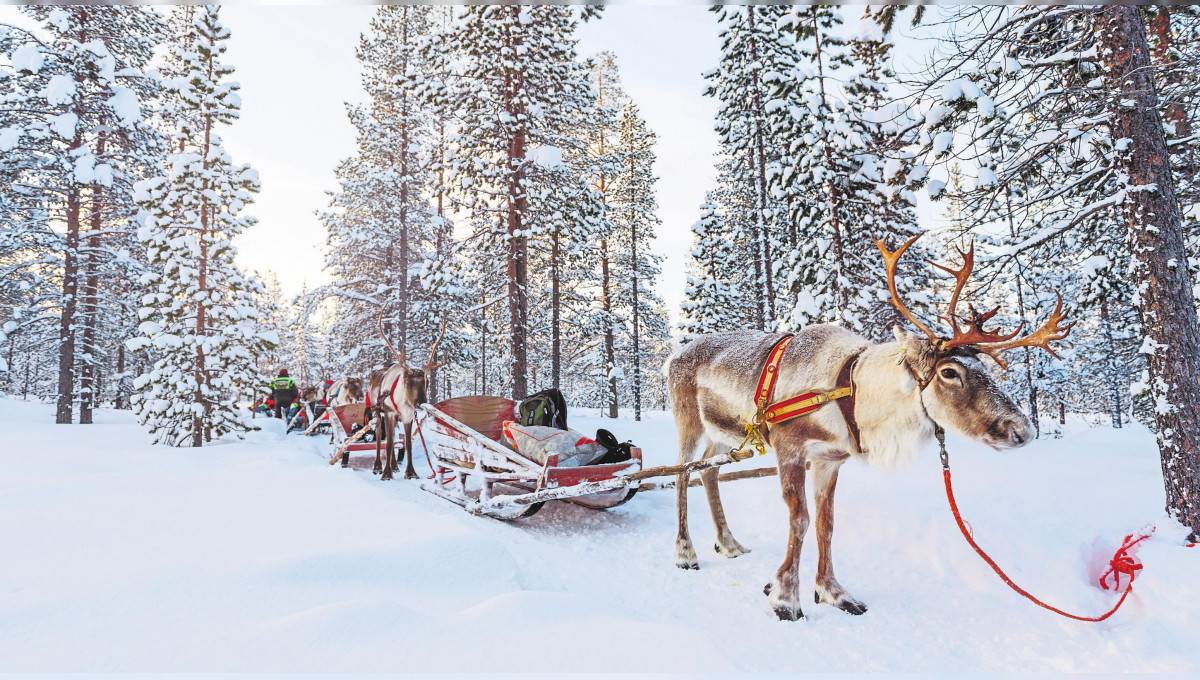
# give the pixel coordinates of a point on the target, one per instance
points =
(344, 392)
(712, 382)
(392, 405)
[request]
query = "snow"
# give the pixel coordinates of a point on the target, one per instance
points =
(9, 138)
(60, 90)
(27, 57)
(548, 157)
(124, 104)
(64, 125)
(259, 556)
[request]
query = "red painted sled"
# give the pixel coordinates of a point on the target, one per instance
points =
(473, 469)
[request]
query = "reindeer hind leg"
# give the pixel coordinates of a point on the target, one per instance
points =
(687, 421)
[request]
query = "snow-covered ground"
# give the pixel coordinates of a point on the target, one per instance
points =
(258, 556)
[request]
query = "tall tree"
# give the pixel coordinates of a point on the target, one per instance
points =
(74, 120)
(199, 319)
(517, 87)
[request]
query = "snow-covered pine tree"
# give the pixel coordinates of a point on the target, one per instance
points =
(381, 225)
(633, 213)
(827, 119)
(605, 165)
(753, 59)
(200, 320)
(516, 87)
(709, 305)
(76, 129)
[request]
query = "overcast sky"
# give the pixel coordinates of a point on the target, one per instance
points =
(297, 68)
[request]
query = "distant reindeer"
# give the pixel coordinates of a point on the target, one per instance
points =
(394, 395)
(901, 391)
(345, 391)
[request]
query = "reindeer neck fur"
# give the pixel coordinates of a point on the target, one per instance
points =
(891, 416)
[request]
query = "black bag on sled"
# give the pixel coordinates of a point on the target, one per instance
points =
(617, 451)
(546, 409)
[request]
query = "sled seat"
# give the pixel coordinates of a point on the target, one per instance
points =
(482, 413)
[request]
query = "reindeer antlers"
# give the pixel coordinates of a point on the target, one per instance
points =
(991, 343)
(1049, 331)
(429, 365)
(400, 356)
(890, 259)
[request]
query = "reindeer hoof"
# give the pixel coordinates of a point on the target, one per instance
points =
(786, 613)
(852, 607)
(411, 475)
(688, 565)
(844, 603)
(731, 551)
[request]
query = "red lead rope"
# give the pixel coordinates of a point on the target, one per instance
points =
(1121, 563)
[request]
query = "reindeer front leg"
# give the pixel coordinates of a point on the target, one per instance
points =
(409, 472)
(389, 465)
(380, 428)
(783, 591)
(828, 590)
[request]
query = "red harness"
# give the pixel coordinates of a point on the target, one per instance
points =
(803, 404)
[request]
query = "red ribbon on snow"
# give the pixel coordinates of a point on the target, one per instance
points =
(1123, 562)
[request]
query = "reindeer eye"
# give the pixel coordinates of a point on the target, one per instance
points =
(949, 374)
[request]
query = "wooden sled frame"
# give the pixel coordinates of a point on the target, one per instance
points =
(510, 485)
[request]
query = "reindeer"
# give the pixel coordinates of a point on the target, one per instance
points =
(901, 391)
(394, 393)
(345, 391)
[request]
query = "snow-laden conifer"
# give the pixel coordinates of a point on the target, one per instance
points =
(199, 319)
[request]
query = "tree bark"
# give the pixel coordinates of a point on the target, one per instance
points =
(88, 381)
(403, 208)
(760, 181)
(1155, 235)
(66, 328)
(555, 311)
(518, 250)
(610, 361)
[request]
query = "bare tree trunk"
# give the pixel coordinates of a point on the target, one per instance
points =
(1156, 242)
(1111, 371)
(404, 163)
(637, 344)
(518, 252)
(70, 292)
(610, 360)
(88, 303)
(760, 183)
(555, 311)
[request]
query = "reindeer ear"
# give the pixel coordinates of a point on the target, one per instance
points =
(917, 350)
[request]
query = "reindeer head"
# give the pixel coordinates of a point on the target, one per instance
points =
(410, 383)
(956, 388)
(354, 389)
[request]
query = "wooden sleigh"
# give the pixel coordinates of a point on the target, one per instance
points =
(349, 425)
(473, 469)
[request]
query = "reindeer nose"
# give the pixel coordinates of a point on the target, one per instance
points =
(1017, 431)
